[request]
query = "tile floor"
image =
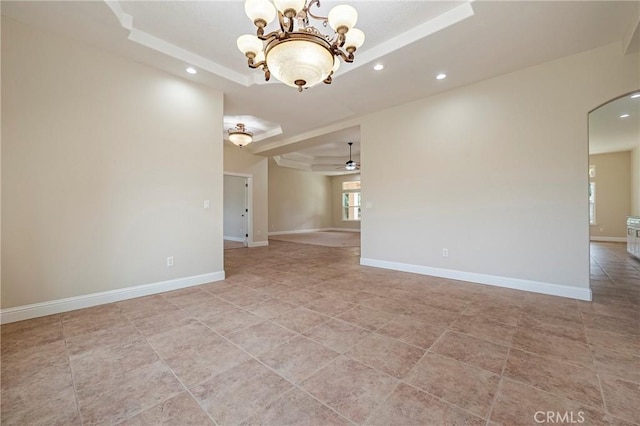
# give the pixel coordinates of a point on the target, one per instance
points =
(303, 335)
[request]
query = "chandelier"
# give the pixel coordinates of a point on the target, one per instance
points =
(298, 54)
(239, 136)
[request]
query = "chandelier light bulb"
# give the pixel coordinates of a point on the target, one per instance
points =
(354, 39)
(260, 10)
(286, 6)
(249, 44)
(342, 18)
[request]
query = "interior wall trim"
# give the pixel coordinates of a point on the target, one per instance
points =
(259, 244)
(304, 231)
(579, 293)
(609, 239)
(57, 306)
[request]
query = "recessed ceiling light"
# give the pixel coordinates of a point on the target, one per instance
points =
(636, 95)
(192, 70)
(624, 116)
(441, 76)
(378, 67)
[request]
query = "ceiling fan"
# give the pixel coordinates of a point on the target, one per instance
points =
(350, 165)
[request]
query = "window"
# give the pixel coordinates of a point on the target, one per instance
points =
(351, 200)
(592, 195)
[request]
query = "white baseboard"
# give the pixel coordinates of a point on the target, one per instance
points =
(298, 231)
(237, 239)
(259, 244)
(51, 307)
(609, 239)
(304, 231)
(498, 281)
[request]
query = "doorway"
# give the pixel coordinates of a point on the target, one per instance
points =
(236, 211)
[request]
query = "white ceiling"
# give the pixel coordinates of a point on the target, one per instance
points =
(609, 132)
(415, 40)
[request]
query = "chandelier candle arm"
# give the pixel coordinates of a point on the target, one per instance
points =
(298, 54)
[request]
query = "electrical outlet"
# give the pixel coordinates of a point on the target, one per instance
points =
(445, 252)
(170, 261)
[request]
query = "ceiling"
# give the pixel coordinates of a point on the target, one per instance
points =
(615, 126)
(415, 40)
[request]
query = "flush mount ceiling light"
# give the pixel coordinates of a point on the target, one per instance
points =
(298, 54)
(378, 67)
(624, 116)
(192, 70)
(441, 76)
(350, 165)
(240, 136)
(635, 95)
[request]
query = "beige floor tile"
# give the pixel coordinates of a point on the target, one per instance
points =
(27, 334)
(618, 364)
(229, 322)
(351, 388)
(298, 358)
(134, 392)
(370, 319)
(621, 397)
(409, 330)
(614, 341)
(236, 394)
(520, 404)
(409, 406)
(271, 308)
(569, 380)
(385, 354)
(26, 366)
(504, 312)
(300, 319)
(106, 364)
(611, 324)
(179, 410)
(473, 351)
(261, 337)
(552, 346)
(195, 353)
(329, 306)
(485, 328)
(58, 408)
(468, 387)
(337, 335)
(296, 408)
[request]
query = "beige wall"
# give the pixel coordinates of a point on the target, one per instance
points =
(105, 167)
(495, 172)
(298, 200)
(237, 160)
(336, 202)
(635, 181)
(613, 189)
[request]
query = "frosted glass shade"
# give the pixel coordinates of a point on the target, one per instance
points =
(259, 57)
(350, 165)
(249, 44)
(354, 38)
(299, 61)
(342, 16)
(240, 139)
(336, 64)
(260, 10)
(283, 5)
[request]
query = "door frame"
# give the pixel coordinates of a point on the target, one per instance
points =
(249, 203)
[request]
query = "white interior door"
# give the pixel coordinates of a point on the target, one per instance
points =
(235, 208)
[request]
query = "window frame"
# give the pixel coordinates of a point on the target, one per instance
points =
(346, 206)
